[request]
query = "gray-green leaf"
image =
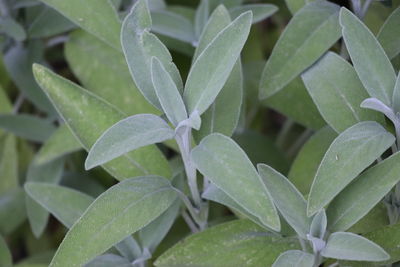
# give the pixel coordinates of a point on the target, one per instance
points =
(349, 246)
(221, 160)
(294, 258)
(389, 34)
(260, 11)
(120, 211)
(369, 59)
(312, 31)
(349, 154)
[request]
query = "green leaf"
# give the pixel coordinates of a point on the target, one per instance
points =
(64, 203)
(49, 173)
(357, 199)
(108, 260)
(8, 164)
(260, 11)
(223, 114)
(201, 17)
(294, 258)
(127, 135)
(86, 56)
(349, 246)
(289, 201)
(396, 95)
(213, 66)
(222, 161)
(40, 26)
(167, 93)
(12, 28)
(236, 243)
(88, 117)
(60, 143)
(122, 210)
(306, 163)
(318, 225)
(172, 25)
(375, 219)
(12, 210)
(97, 17)
(140, 46)
(5, 254)
(369, 59)
(349, 154)
(5, 104)
(27, 126)
(296, 5)
(311, 32)
(389, 34)
(337, 91)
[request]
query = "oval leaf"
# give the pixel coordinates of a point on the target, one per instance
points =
(221, 160)
(349, 154)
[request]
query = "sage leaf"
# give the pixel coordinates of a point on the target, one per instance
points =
(88, 66)
(127, 135)
(318, 225)
(222, 161)
(122, 210)
(88, 117)
(201, 17)
(289, 201)
(223, 114)
(5, 254)
(12, 28)
(9, 177)
(294, 258)
(376, 104)
(27, 126)
(311, 32)
(296, 5)
(139, 46)
(211, 69)
(107, 260)
(349, 154)
(260, 11)
(12, 210)
(338, 92)
(59, 144)
(349, 246)
(172, 25)
(170, 99)
(306, 163)
(369, 59)
(363, 194)
(389, 34)
(396, 95)
(104, 23)
(229, 244)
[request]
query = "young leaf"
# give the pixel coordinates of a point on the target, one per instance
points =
(88, 66)
(122, 210)
(337, 91)
(222, 116)
(60, 143)
(211, 69)
(357, 199)
(104, 23)
(294, 258)
(48, 173)
(236, 243)
(170, 99)
(349, 246)
(377, 105)
(5, 254)
(311, 32)
(318, 225)
(396, 95)
(306, 163)
(289, 201)
(349, 154)
(27, 126)
(201, 17)
(8, 164)
(260, 11)
(369, 59)
(172, 25)
(389, 34)
(127, 135)
(140, 46)
(88, 117)
(221, 160)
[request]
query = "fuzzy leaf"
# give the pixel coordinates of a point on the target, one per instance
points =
(396, 95)
(260, 11)
(296, 5)
(172, 25)
(201, 17)
(349, 154)
(294, 258)
(389, 34)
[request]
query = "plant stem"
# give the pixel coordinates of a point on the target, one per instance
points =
(317, 259)
(189, 222)
(18, 103)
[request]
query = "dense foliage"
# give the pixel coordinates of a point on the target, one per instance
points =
(199, 133)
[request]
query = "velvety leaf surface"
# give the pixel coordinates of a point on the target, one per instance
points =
(296, 5)
(120, 211)
(369, 59)
(88, 117)
(389, 34)
(311, 32)
(349, 154)
(222, 161)
(236, 243)
(294, 258)
(260, 11)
